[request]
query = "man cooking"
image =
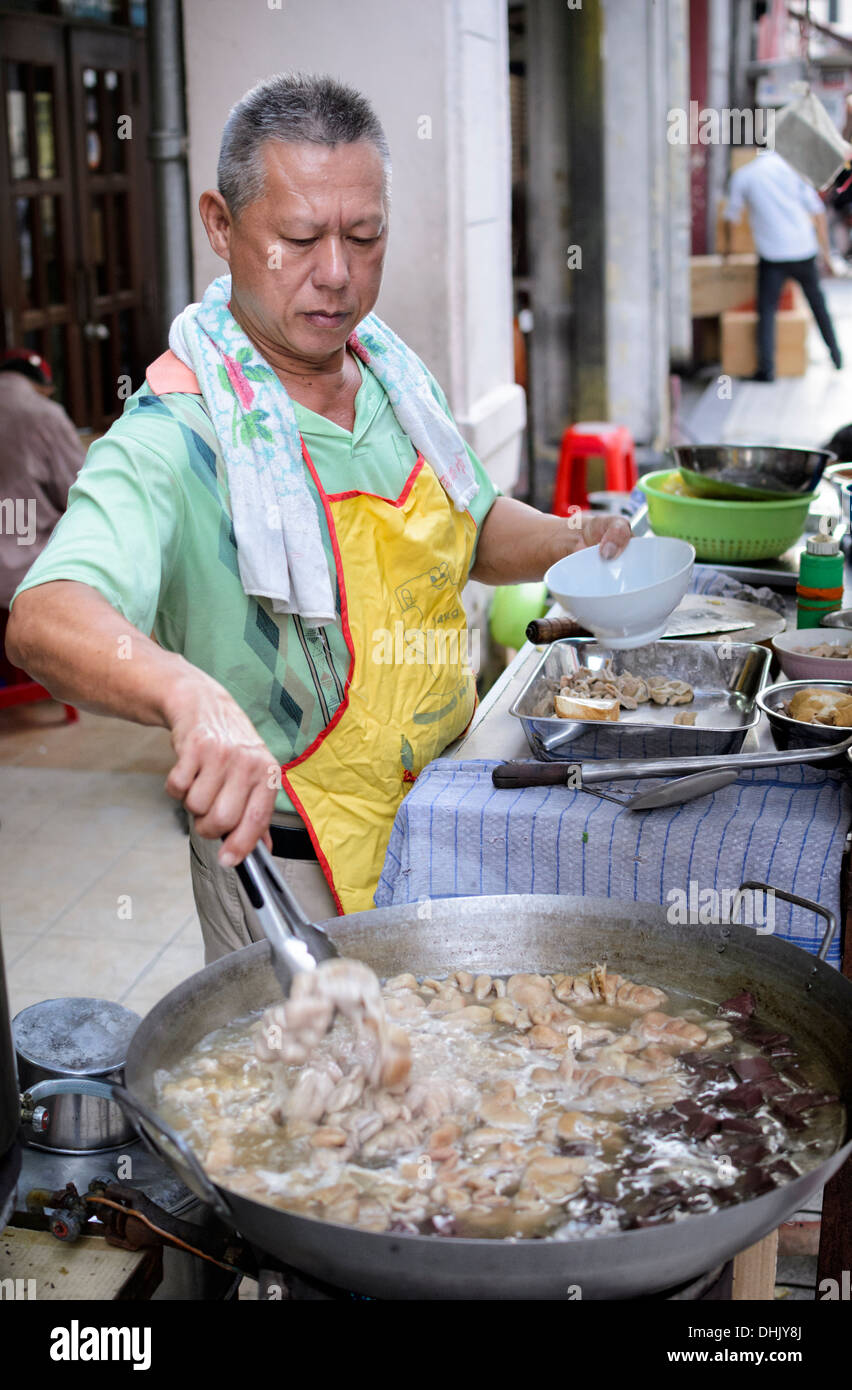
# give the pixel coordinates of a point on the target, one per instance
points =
(286, 484)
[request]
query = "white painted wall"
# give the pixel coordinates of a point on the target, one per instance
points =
(447, 287)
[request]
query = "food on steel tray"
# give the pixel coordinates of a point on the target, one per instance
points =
(602, 694)
(832, 707)
(630, 691)
(685, 717)
(556, 1106)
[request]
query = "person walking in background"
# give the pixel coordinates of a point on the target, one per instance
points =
(40, 456)
(789, 228)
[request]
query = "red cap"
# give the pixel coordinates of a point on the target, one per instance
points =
(39, 366)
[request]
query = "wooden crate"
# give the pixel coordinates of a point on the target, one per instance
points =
(718, 283)
(739, 340)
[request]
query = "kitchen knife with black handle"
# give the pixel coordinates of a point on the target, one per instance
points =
(553, 774)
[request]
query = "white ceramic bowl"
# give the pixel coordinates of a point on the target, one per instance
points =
(792, 651)
(625, 602)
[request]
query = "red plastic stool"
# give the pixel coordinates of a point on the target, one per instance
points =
(26, 692)
(591, 439)
(17, 687)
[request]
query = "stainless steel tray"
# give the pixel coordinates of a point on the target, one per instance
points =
(725, 676)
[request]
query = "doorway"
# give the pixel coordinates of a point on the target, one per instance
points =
(77, 277)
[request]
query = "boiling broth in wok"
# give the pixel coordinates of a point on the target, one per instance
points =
(538, 1106)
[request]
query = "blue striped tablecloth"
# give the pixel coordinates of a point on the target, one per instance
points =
(456, 835)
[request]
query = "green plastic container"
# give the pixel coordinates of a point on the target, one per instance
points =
(727, 531)
(512, 607)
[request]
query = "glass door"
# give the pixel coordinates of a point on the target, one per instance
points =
(77, 277)
(37, 212)
(107, 121)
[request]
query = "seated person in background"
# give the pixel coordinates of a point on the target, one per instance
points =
(40, 456)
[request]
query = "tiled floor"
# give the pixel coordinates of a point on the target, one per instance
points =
(95, 894)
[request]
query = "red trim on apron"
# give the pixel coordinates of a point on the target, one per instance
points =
(472, 713)
(391, 501)
(324, 864)
(326, 499)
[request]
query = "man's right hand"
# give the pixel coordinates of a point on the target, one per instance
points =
(224, 774)
(84, 652)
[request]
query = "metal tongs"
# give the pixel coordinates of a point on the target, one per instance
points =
(297, 943)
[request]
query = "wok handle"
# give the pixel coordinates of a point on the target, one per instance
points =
(824, 912)
(531, 774)
(543, 630)
(159, 1142)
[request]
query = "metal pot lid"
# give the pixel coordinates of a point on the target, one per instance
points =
(77, 1037)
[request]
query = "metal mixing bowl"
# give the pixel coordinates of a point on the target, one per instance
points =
(792, 733)
(753, 472)
(841, 617)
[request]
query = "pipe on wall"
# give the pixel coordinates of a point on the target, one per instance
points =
(167, 149)
(718, 97)
(680, 211)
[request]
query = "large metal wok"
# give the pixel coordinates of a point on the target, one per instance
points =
(795, 991)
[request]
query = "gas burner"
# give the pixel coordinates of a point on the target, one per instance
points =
(80, 1169)
(45, 1178)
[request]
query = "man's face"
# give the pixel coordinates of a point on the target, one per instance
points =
(306, 258)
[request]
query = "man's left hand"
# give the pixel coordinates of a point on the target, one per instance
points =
(518, 543)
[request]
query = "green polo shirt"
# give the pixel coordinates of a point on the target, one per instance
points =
(149, 526)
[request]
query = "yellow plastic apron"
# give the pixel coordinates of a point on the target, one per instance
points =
(401, 564)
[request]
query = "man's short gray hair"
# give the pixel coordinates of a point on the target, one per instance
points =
(291, 107)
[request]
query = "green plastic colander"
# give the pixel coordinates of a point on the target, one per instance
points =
(725, 530)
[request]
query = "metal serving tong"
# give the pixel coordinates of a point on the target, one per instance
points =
(548, 774)
(297, 944)
(672, 793)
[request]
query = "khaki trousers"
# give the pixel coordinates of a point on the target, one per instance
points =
(227, 921)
